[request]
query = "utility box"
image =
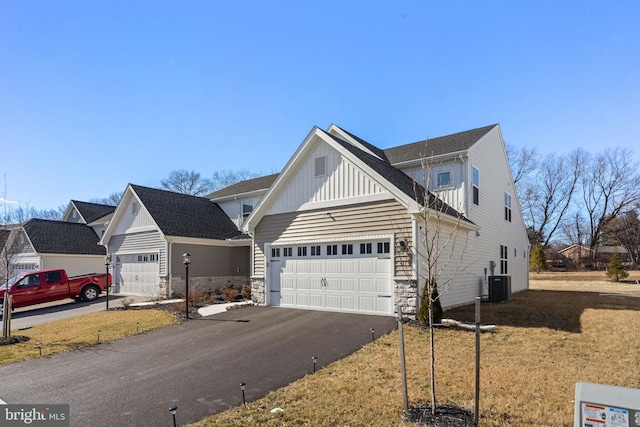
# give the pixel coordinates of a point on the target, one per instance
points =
(598, 405)
(499, 288)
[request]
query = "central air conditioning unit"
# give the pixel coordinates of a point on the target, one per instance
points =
(499, 288)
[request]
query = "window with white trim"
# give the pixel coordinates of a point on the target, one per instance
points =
(302, 251)
(347, 249)
(275, 252)
(504, 254)
(247, 207)
(476, 186)
(287, 251)
(444, 179)
(383, 247)
(366, 248)
(507, 207)
(332, 249)
(315, 251)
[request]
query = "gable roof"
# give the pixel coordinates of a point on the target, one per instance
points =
(242, 187)
(401, 181)
(61, 237)
(453, 143)
(402, 186)
(182, 215)
(92, 211)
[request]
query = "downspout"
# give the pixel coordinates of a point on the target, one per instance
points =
(415, 233)
(169, 272)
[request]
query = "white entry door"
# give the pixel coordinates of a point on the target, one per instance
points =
(349, 277)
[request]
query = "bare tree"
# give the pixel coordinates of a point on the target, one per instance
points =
(549, 194)
(522, 161)
(187, 182)
(625, 231)
(225, 178)
(610, 185)
(112, 200)
(441, 251)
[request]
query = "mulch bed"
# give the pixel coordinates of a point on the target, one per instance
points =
(15, 339)
(445, 416)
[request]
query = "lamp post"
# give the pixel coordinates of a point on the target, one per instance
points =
(242, 387)
(107, 263)
(186, 260)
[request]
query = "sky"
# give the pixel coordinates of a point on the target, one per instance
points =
(95, 95)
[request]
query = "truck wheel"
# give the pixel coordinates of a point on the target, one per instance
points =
(90, 293)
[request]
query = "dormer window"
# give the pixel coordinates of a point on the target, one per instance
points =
(247, 207)
(444, 179)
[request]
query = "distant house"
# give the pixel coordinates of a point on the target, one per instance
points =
(44, 244)
(339, 229)
(151, 229)
(603, 254)
(96, 216)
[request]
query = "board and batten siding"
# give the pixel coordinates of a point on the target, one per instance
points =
(342, 180)
(137, 243)
(211, 260)
(134, 217)
(367, 219)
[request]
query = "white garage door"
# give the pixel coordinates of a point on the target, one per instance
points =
(137, 274)
(349, 277)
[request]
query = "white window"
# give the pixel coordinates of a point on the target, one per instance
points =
(444, 179)
(275, 252)
(365, 248)
(347, 249)
(315, 250)
(332, 249)
(247, 207)
(302, 251)
(476, 186)
(507, 207)
(287, 251)
(504, 254)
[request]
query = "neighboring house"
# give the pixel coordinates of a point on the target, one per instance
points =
(5, 255)
(238, 200)
(96, 216)
(150, 231)
(603, 253)
(339, 229)
(45, 244)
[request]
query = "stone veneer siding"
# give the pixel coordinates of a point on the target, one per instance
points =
(208, 283)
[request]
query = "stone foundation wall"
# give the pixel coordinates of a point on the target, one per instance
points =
(406, 295)
(257, 291)
(208, 283)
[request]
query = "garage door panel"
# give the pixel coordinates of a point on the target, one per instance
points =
(349, 281)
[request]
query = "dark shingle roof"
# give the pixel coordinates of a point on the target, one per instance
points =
(261, 183)
(60, 237)
(399, 179)
(377, 151)
(186, 216)
(4, 235)
(92, 211)
(436, 146)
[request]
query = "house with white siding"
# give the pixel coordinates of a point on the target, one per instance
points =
(342, 226)
(95, 215)
(150, 231)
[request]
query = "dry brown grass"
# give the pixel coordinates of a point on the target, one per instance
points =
(82, 331)
(547, 339)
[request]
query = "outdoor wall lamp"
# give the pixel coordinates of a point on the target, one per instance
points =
(173, 410)
(402, 246)
(107, 263)
(186, 260)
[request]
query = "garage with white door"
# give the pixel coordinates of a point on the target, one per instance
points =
(137, 274)
(354, 276)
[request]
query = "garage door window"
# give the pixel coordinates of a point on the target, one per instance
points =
(383, 248)
(315, 251)
(302, 251)
(287, 251)
(347, 249)
(332, 249)
(366, 248)
(275, 252)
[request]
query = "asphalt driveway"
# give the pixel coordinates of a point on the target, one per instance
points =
(197, 365)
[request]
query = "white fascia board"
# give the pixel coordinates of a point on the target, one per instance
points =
(258, 212)
(67, 211)
(247, 195)
(453, 221)
(430, 159)
(207, 242)
(345, 136)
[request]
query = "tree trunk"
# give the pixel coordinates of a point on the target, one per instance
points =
(432, 357)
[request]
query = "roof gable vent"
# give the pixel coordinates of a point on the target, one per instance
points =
(320, 166)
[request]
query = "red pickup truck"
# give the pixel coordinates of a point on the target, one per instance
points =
(50, 285)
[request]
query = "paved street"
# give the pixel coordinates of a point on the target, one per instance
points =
(62, 309)
(197, 365)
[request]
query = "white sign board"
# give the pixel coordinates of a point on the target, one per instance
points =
(598, 405)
